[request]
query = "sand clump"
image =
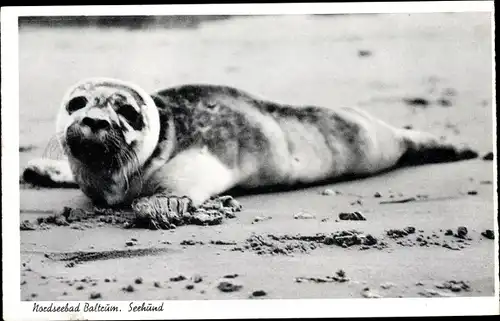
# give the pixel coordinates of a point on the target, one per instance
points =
(222, 242)
(128, 288)
(191, 242)
(304, 216)
(79, 219)
(178, 278)
(364, 53)
(408, 237)
(488, 234)
(431, 293)
(328, 192)
(339, 277)
(454, 286)
(197, 278)
(387, 285)
(488, 156)
(396, 233)
(275, 245)
(461, 232)
(231, 276)
(352, 216)
(226, 286)
(27, 225)
(349, 238)
(154, 213)
(271, 244)
(370, 294)
(258, 219)
(417, 101)
(258, 293)
(287, 244)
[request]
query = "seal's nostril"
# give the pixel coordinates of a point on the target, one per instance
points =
(95, 124)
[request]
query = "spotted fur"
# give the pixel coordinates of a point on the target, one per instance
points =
(201, 140)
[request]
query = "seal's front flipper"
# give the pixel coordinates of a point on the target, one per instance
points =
(162, 211)
(49, 173)
(423, 148)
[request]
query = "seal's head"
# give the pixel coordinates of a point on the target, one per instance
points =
(106, 123)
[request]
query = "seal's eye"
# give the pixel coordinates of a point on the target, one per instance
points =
(128, 112)
(76, 103)
(131, 115)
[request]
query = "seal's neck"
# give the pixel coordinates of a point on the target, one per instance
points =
(166, 146)
(151, 135)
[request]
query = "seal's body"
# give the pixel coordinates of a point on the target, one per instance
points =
(201, 140)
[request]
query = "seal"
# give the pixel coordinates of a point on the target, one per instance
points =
(197, 141)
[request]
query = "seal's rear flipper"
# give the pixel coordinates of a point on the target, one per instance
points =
(49, 173)
(422, 148)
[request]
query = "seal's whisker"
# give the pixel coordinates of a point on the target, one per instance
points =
(132, 167)
(115, 142)
(123, 172)
(53, 150)
(138, 169)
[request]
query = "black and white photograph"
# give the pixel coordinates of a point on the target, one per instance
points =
(249, 155)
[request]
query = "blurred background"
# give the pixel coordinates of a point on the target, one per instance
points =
(127, 22)
(430, 71)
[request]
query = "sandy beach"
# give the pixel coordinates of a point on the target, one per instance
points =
(432, 72)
